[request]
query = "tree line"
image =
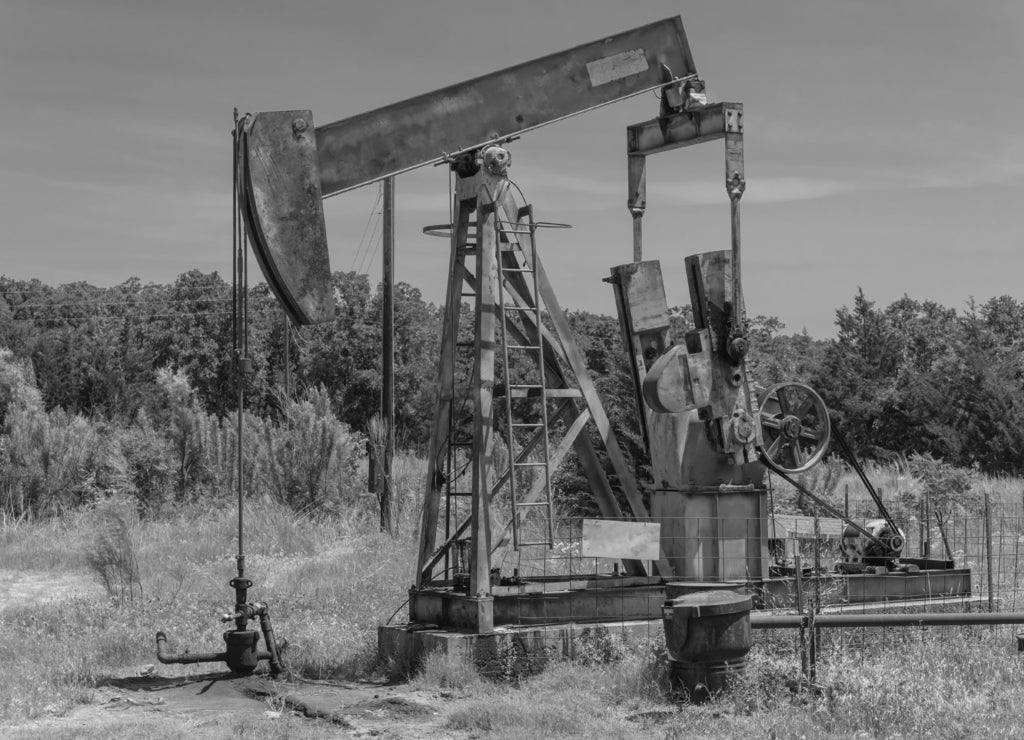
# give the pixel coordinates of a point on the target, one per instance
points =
(910, 377)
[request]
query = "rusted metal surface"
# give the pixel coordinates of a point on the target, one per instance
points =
(283, 208)
(795, 427)
(678, 381)
(643, 316)
(714, 533)
(636, 200)
(708, 637)
(399, 137)
(684, 128)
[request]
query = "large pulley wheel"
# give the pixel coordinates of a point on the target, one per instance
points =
(794, 426)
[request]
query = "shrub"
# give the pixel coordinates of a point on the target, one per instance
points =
(311, 457)
(147, 462)
(947, 488)
(53, 460)
(18, 387)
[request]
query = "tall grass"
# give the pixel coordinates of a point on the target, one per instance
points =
(924, 685)
(52, 461)
(329, 580)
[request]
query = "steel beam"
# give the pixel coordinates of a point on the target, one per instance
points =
(418, 131)
(684, 128)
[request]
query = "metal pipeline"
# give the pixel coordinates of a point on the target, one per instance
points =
(271, 641)
(241, 655)
(821, 621)
(186, 657)
(252, 611)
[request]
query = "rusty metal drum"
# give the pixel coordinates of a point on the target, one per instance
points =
(708, 637)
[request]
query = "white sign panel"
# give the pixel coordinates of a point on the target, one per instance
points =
(603, 538)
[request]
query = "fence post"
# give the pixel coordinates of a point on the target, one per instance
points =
(988, 550)
(798, 566)
(817, 596)
(1016, 560)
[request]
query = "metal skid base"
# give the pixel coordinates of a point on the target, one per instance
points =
(552, 600)
(521, 626)
(867, 588)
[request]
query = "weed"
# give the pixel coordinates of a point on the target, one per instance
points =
(441, 670)
(112, 556)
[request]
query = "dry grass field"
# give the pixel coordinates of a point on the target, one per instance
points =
(330, 581)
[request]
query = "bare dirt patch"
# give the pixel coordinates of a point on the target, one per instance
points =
(221, 705)
(23, 588)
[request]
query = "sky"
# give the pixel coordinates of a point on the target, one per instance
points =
(884, 140)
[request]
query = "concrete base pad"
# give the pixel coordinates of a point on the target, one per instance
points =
(509, 651)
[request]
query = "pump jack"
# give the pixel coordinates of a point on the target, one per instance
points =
(290, 166)
(709, 437)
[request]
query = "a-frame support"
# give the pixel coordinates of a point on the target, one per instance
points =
(492, 264)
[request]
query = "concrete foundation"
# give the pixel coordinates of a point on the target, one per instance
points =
(528, 624)
(508, 652)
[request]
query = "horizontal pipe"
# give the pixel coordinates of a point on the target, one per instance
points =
(164, 657)
(821, 621)
(186, 657)
(776, 621)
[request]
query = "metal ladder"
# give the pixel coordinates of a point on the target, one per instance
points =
(459, 441)
(516, 267)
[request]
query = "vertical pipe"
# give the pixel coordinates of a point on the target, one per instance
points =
(735, 184)
(387, 395)
(238, 322)
(243, 315)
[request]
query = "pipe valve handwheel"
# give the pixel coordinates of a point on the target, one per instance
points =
(795, 428)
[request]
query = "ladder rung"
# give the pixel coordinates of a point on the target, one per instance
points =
(529, 465)
(458, 494)
(535, 393)
(530, 503)
(510, 307)
(522, 346)
(516, 269)
(531, 386)
(531, 390)
(536, 544)
(526, 424)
